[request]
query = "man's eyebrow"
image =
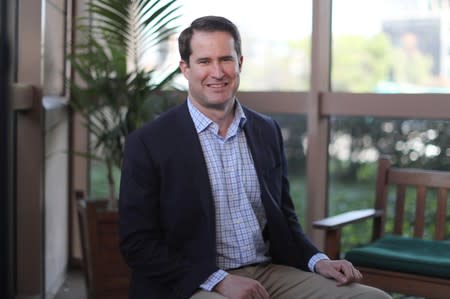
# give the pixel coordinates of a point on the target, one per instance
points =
(227, 57)
(202, 58)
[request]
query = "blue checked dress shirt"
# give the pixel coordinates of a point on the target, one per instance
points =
(240, 215)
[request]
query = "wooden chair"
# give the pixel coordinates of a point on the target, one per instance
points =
(397, 263)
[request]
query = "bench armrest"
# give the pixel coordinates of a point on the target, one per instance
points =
(338, 221)
(333, 225)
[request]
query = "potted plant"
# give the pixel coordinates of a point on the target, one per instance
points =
(115, 93)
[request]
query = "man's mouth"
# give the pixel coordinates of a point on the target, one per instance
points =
(217, 85)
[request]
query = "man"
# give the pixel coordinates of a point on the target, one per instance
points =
(205, 210)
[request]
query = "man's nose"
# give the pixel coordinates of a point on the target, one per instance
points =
(217, 70)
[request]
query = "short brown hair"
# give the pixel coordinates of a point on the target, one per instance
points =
(208, 24)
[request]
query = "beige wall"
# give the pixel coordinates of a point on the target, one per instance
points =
(56, 204)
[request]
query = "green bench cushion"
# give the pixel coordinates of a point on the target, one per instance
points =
(403, 254)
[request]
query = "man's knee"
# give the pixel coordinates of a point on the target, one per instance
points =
(206, 295)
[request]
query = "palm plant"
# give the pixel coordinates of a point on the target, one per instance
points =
(113, 93)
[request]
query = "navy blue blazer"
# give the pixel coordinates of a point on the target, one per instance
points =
(167, 218)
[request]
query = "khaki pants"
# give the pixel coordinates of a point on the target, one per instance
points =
(283, 282)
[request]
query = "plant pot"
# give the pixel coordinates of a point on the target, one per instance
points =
(107, 275)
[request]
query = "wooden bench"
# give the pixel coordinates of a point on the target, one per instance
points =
(399, 261)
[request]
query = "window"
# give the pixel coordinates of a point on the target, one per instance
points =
(391, 49)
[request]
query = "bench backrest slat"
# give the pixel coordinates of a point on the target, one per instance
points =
(424, 182)
(419, 226)
(441, 213)
(399, 210)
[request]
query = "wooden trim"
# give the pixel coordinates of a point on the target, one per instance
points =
(427, 106)
(275, 102)
(22, 96)
(413, 178)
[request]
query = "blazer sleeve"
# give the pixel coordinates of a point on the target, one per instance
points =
(142, 240)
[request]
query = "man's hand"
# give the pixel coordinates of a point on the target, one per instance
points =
(239, 287)
(340, 270)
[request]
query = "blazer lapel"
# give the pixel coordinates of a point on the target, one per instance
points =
(256, 142)
(253, 136)
(191, 149)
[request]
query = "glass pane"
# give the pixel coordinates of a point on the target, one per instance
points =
(275, 40)
(396, 47)
(355, 145)
(293, 128)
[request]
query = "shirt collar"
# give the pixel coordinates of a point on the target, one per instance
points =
(202, 122)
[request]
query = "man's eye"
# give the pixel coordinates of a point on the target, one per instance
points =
(203, 61)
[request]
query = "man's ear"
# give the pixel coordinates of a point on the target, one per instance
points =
(241, 60)
(184, 68)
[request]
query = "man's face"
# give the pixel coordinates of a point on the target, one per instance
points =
(213, 70)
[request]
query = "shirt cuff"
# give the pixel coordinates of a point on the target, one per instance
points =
(314, 259)
(213, 279)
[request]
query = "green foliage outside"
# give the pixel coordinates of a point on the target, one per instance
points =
(286, 70)
(410, 143)
(360, 63)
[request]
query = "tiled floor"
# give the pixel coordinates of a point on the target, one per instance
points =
(74, 287)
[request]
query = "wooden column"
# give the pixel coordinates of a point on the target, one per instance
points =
(29, 154)
(317, 159)
(29, 196)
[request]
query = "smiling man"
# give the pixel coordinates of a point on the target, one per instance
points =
(205, 210)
